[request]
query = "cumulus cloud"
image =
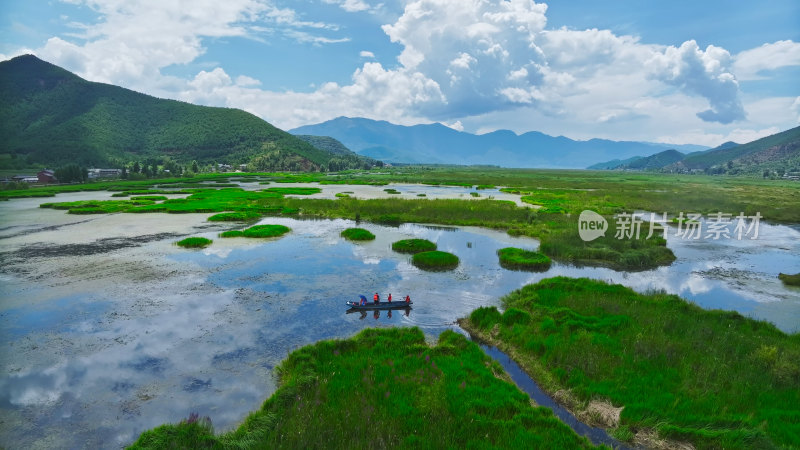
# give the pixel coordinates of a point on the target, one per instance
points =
(459, 60)
(750, 64)
(703, 72)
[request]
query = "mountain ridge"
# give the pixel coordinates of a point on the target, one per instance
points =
(437, 143)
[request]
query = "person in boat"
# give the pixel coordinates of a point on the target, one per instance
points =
(363, 300)
(376, 298)
(390, 298)
(408, 299)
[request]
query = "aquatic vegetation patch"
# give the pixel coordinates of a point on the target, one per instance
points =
(713, 378)
(384, 388)
(357, 234)
(194, 242)
(239, 216)
(413, 246)
(392, 191)
(435, 260)
(342, 195)
(152, 198)
(474, 194)
(519, 259)
(294, 190)
(258, 231)
(788, 279)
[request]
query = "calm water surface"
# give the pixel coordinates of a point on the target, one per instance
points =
(108, 329)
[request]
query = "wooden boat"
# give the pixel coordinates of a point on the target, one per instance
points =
(380, 305)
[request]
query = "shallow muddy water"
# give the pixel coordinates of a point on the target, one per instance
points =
(107, 328)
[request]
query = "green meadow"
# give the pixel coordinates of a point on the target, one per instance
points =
(384, 389)
(712, 378)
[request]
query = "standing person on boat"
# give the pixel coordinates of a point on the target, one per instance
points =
(390, 298)
(376, 298)
(363, 300)
(408, 299)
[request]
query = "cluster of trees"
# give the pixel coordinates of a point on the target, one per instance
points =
(72, 173)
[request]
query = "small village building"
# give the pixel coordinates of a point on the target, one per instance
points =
(46, 176)
(104, 173)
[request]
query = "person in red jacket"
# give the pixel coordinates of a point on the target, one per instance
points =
(408, 299)
(376, 298)
(390, 298)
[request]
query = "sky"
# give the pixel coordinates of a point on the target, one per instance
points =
(681, 72)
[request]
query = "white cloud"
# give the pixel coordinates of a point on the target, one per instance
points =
(455, 125)
(706, 73)
(471, 64)
(244, 80)
(350, 5)
(749, 64)
(796, 108)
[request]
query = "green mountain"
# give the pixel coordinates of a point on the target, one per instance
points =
(656, 161)
(343, 157)
(613, 164)
(773, 155)
(776, 150)
(53, 117)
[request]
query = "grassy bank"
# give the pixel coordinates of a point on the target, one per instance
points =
(712, 378)
(384, 389)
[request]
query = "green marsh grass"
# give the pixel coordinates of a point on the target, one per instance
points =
(413, 246)
(519, 259)
(239, 216)
(258, 231)
(788, 279)
(294, 190)
(713, 378)
(384, 389)
(435, 260)
(392, 191)
(194, 242)
(357, 234)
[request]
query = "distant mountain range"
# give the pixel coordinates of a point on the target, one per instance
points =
(777, 153)
(436, 143)
(51, 116)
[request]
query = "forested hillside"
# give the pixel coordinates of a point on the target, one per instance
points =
(50, 116)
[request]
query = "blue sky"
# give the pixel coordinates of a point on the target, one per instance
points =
(700, 72)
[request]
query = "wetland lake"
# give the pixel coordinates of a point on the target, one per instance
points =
(109, 329)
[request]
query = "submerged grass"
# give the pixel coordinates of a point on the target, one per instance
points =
(712, 378)
(194, 242)
(435, 260)
(519, 259)
(384, 389)
(413, 246)
(357, 234)
(258, 231)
